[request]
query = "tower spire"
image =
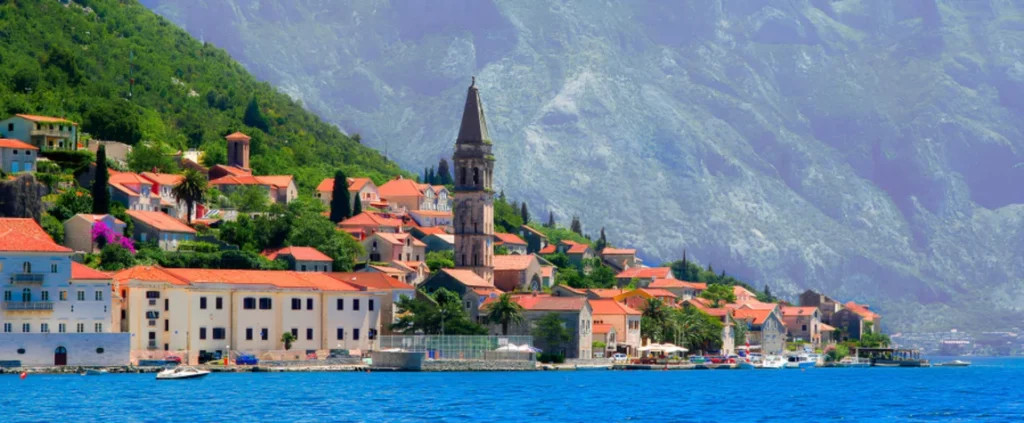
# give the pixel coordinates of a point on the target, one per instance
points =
(474, 126)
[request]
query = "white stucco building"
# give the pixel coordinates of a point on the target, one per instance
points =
(55, 311)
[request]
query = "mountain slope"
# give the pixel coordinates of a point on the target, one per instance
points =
(74, 60)
(864, 147)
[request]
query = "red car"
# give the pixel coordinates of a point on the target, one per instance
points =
(173, 359)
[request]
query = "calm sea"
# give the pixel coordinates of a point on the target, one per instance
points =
(992, 390)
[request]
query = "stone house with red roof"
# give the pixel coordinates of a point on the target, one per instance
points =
(405, 195)
(166, 231)
(78, 230)
(511, 242)
(384, 247)
(364, 188)
(625, 320)
(765, 328)
(473, 289)
(683, 290)
(302, 259)
(605, 333)
(576, 315)
(803, 324)
(133, 191)
(854, 320)
(535, 240)
(644, 275)
(368, 223)
(517, 273)
(163, 185)
(620, 258)
(825, 304)
(46, 133)
(280, 189)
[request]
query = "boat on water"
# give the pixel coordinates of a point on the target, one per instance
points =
(954, 363)
(851, 361)
(591, 367)
(94, 372)
(181, 372)
(773, 362)
(747, 365)
(800, 361)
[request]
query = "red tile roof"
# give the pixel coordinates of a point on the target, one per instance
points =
(80, 271)
(11, 143)
(607, 292)
(646, 273)
(400, 238)
(515, 262)
(231, 170)
(656, 292)
(298, 253)
(431, 213)
(275, 181)
(160, 221)
(47, 119)
(741, 291)
(575, 247)
(509, 239)
(147, 274)
(548, 271)
(25, 235)
(433, 230)
(237, 136)
(757, 317)
(861, 310)
(276, 278)
(607, 306)
(676, 283)
(163, 178)
(467, 277)
(371, 219)
(798, 311)
(371, 281)
(602, 328)
(549, 249)
(400, 187)
(608, 251)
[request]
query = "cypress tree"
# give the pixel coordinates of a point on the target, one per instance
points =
(431, 179)
(357, 206)
(551, 219)
(575, 226)
(602, 242)
(339, 201)
(100, 194)
(444, 175)
(254, 117)
(525, 213)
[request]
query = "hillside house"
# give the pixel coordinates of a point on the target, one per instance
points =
(511, 242)
(302, 259)
(132, 191)
(43, 132)
(517, 272)
(387, 247)
(364, 188)
(575, 313)
(78, 230)
(166, 231)
(644, 275)
(535, 240)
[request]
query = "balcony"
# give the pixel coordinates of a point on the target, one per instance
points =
(28, 305)
(27, 278)
(50, 132)
(151, 345)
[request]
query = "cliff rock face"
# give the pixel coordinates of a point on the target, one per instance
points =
(868, 148)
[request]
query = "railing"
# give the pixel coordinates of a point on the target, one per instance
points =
(28, 305)
(27, 278)
(51, 132)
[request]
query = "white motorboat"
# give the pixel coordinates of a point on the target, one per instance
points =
(181, 372)
(773, 362)
(955, 363)
(851, 361)
(800, 361)
(94, 372)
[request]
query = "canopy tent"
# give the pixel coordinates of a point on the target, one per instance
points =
(663, 348)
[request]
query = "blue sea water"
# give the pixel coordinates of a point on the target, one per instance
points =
(991, 390)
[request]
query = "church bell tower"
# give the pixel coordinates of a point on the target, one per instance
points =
(474, 191)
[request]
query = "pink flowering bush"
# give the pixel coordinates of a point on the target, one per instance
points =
(100, 231)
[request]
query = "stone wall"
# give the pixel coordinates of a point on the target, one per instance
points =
(38, 349)
(477, 366)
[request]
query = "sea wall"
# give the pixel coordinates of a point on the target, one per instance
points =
(478, 365)
(82, 349)
(398, 360)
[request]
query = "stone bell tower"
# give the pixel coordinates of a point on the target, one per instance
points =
(474, 191)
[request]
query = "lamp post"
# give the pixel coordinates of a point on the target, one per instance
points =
(227, 355)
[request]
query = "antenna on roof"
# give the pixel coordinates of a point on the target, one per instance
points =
(473, 83)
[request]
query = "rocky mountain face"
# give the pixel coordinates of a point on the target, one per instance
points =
(868, 148)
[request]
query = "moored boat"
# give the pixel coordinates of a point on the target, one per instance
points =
(954, 363)
(800, 361)
(851, 361)
(181, 372)
(773, 362)
(94, 372)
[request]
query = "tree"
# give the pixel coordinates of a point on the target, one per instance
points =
(431, 314)
(70, 203)
(431, 179)
(504, 311)
(147, 156)
(340, 209)
(287, 338)
(444, 175)
(437, 260)
(551, 219)
(191, 190)
(53, 227)
(601, 276)
(601, 243)
(100, 191)
(254, 117)
(576, 226)
(357, 206)
(525, 213)
(113, 119)
(250, 198)
(551, 331)
(115, 256)
(718, 295)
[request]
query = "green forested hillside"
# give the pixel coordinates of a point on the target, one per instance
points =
(75, 60)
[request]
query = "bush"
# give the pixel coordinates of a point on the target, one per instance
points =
(556, 358)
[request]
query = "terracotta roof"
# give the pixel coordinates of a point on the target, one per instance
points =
(11, 143)
(371, 281)
(97, 217)
(25, 235)
(127, 178)
(575, 247)
(467, 277)
(739, 291)
(298, 253)
(371, 219)
(606, 306)
(601, 327)
(276, 181)
(160, 221)
(548, 271)
(549, 249)
(400, 188)
(676, 283)
(548, 303)
(535, 232)
(607, 292)
(237, 136)
(232, 170)
(276, 278)
(826, 328)
(756, 316)
(509, 239)
(400, 238)
(80, 271)
(431, 213)
(513, 262)
(47, 119)
(861, 310)
(163, 178)
(354, 184)
(656, 292)
(433, 230)
(388, 270)
(608, 251)
(411, 265)
(279, 181)
(798, 311)
(717, 312)
(646, 273)
(148, 274)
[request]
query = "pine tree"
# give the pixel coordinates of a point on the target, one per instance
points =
(357, 206)
(551, 219)
(768, 292)
(602, 242)
(100, 194)
(525, 213)
(254, 118)
(340, 209)
(444, 175)
(575, 226)
(426, 176)
(501, 196)
(431, 179)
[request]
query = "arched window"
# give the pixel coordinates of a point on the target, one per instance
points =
(26, 267)
(463, 176)
(476, 176)
(375, 244)
(26, 295)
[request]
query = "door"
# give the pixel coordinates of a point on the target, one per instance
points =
(60, 357)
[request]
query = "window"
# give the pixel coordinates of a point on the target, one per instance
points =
(202, 303)
(248, 334)
(45, 295)
(219, 333)
(25, 327)
(44, 328)
(167, 325)
(53, 266)
(340, 335)
(63, 296)
(202, 333)
(309, 303)
(355, 334)
(167, 304)
(372, 334)
(303, 267)
(80, 327)
(62, 328)
(355, 304)
(296, 304)
(220, 303)
(7, 328)
(249, 303)
(81, 295)
(370, 301)
(99, 327)
(803, 327)
(264, 334)
(26, 294)
(99, 295)
(295, 333)
(341, 303)
(309, 334)
(265, 303)
(10, 126)
(26, 267)
(152, 314)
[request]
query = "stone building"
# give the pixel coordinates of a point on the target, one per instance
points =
(474, 191)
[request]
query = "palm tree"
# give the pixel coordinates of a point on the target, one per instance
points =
(191, 190)
(505, 311)
(654, 320)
